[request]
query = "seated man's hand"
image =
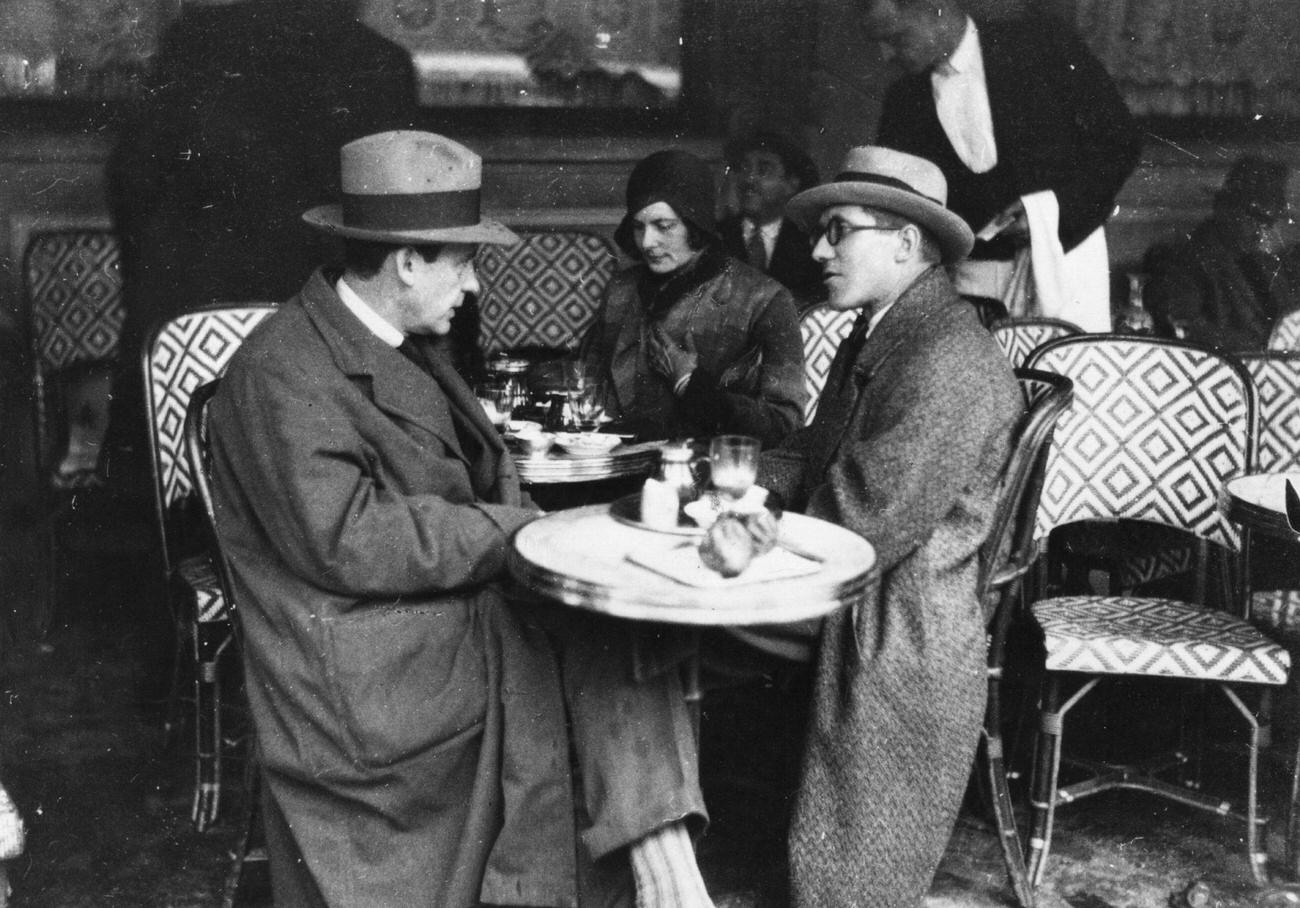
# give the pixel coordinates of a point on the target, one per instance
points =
(673, 362)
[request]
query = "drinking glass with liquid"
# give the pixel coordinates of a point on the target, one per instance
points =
(733, 466)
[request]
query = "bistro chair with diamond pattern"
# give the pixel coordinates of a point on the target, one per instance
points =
(543, 292)
(183, 353)
(73, 285)
(1154, 430)
(1019, 337)
(1005, 561)
(1285, 335)
(823, 329)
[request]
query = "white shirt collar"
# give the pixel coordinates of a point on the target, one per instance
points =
(966, 55)
(378, 325)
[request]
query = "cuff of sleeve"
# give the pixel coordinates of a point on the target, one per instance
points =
(680, 387)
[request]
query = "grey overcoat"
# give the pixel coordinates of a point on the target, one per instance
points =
(907, 447)
(411, 730)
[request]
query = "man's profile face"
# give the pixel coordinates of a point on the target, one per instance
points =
(861, 269)
(909, 36)
(439, 288)
(763, 185)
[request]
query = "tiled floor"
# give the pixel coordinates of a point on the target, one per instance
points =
(106, 804)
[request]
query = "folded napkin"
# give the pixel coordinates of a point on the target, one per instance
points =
(682, 563)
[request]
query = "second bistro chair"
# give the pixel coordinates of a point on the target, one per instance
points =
(1155, 429)
(1019, 337)
(543, 292)
(73, 285)
(1005, 560)
(1285, 335)
(823, 329)
(183, 353)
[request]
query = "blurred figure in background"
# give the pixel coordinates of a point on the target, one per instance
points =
(1229, 280)
(239, 130)
(690, 341)
(768, 169)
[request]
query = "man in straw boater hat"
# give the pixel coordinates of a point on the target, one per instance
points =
(410, 721)
(910, 437)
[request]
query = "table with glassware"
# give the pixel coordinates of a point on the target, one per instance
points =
(603, 558)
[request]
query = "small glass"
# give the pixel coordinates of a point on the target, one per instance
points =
(733, 466)
(497, 399)
(585, 393)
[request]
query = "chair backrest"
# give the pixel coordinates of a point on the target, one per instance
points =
(183, 353)
(1154, 430)
(1277, 390)
(1009, 549)
(74, 288)
(1019, 337)
(73, 284)
(1286, 332)
(823, 329)
(542, 292)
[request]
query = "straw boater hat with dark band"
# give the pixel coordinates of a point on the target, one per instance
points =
(409, 187)
(903, 184)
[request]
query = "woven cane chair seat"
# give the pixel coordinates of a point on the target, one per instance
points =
(542, 292)
(198, 574)
(1019, 337)
(1277, 388)
(823, 329)
(74, 286)
(1157, 637)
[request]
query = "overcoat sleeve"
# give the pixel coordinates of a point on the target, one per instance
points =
(332, 511)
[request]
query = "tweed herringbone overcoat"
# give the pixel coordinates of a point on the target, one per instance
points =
(410, 730)
(909, 441)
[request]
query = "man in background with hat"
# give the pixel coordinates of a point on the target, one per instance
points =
(410, 721)
(909, 441)
(768, 169)
(1034, 141)
(1227, 283)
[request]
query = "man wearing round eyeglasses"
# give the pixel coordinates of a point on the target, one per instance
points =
(910, 437)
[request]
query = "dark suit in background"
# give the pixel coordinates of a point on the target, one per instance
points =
(791, 263)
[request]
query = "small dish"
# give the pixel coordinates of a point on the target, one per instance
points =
(531, 444)
(586, 444)
(523, 427)
(706, 509)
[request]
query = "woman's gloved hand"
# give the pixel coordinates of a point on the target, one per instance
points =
(673, 361)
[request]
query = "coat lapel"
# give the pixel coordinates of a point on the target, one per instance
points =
(850, 375)
(397, 386)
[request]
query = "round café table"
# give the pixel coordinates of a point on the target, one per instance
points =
(587, 559)
(1258, 501)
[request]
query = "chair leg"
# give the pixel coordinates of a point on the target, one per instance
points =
(245, 852)
(1013, 853)
(210, 641)
(1293, 820)
(1047, 765)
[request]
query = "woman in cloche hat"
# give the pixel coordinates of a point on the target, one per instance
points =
(690, 341)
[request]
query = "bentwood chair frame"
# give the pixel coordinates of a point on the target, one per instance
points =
(1155, 428)
(823, 330)
(1005, 561)
(182, 354)
(1019, 337)
(197, 456)
(73, 285)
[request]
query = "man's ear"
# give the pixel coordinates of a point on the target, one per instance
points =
(402, 260)
(909, 242)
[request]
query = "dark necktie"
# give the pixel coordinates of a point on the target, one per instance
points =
(407, 348)
(852, 346)
(755, 250)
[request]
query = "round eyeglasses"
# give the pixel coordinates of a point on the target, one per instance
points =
(836, 229)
